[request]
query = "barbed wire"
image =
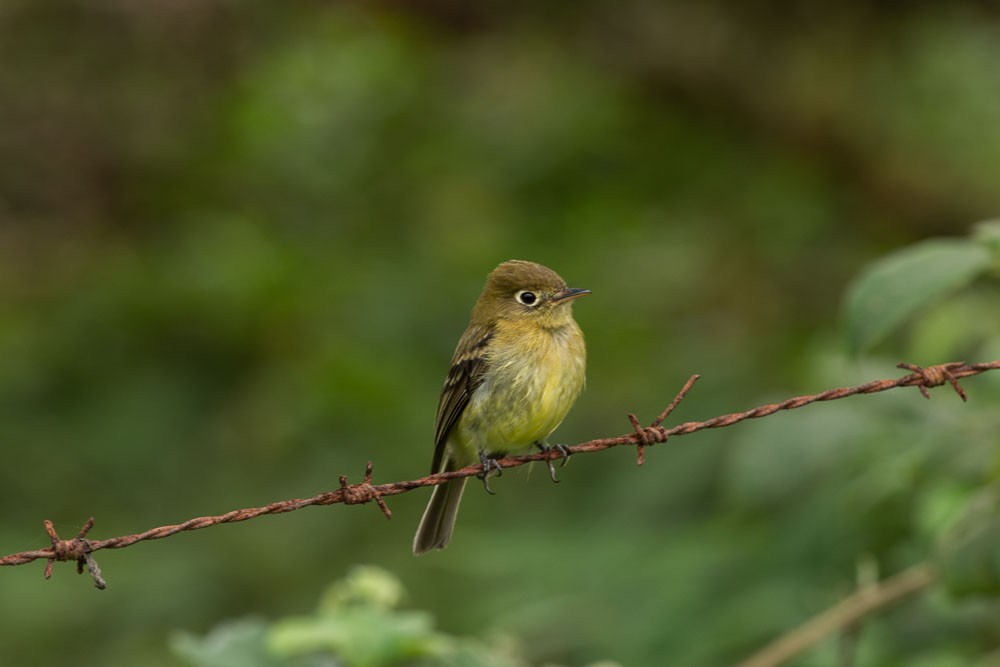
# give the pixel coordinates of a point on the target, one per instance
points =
(80, 549)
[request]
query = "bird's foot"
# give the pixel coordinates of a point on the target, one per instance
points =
(488, 465)
(562, 449)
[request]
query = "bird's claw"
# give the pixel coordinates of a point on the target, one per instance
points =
(562, 449)
(488, 465)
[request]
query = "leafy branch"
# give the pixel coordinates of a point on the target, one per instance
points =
(843, 615)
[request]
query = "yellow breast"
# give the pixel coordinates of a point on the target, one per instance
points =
(533, 380)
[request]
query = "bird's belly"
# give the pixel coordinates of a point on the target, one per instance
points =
(523, 401)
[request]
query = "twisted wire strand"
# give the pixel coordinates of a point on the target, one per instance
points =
(80, 549)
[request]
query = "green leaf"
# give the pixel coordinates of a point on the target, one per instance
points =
(235, 644)
(365, 585)
(896, 287)
(357, 623)
(359, 636)
(987, 233)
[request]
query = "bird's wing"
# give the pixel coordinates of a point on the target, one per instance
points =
(468, 366)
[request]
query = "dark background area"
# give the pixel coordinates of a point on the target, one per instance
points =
(238, 242)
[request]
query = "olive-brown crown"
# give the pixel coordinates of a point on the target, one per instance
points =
(520, 290)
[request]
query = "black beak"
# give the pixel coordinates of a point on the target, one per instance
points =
(569, 294)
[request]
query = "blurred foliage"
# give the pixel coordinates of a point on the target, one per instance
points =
(356, 625)
(971, 551)
(895, 288)
(238, 243)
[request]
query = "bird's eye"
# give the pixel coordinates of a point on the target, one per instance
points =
(526, 297)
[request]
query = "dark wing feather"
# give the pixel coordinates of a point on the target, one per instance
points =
(466, 374)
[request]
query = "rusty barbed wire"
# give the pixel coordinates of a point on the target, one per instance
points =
(80, 549)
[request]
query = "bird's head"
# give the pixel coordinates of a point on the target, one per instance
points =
(526, 292)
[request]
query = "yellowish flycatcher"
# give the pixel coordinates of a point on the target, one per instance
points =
(516, 372)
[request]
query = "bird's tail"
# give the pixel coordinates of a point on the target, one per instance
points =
(438, 522)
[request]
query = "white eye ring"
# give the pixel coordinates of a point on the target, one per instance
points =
(527, 297)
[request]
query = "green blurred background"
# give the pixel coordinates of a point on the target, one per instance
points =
(239, 240)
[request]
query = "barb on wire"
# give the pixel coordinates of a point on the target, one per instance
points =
(80, 549)
(934, 376)
(77, 549)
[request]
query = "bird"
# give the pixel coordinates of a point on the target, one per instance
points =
(515, 374)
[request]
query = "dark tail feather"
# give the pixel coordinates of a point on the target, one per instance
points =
(439, 518)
